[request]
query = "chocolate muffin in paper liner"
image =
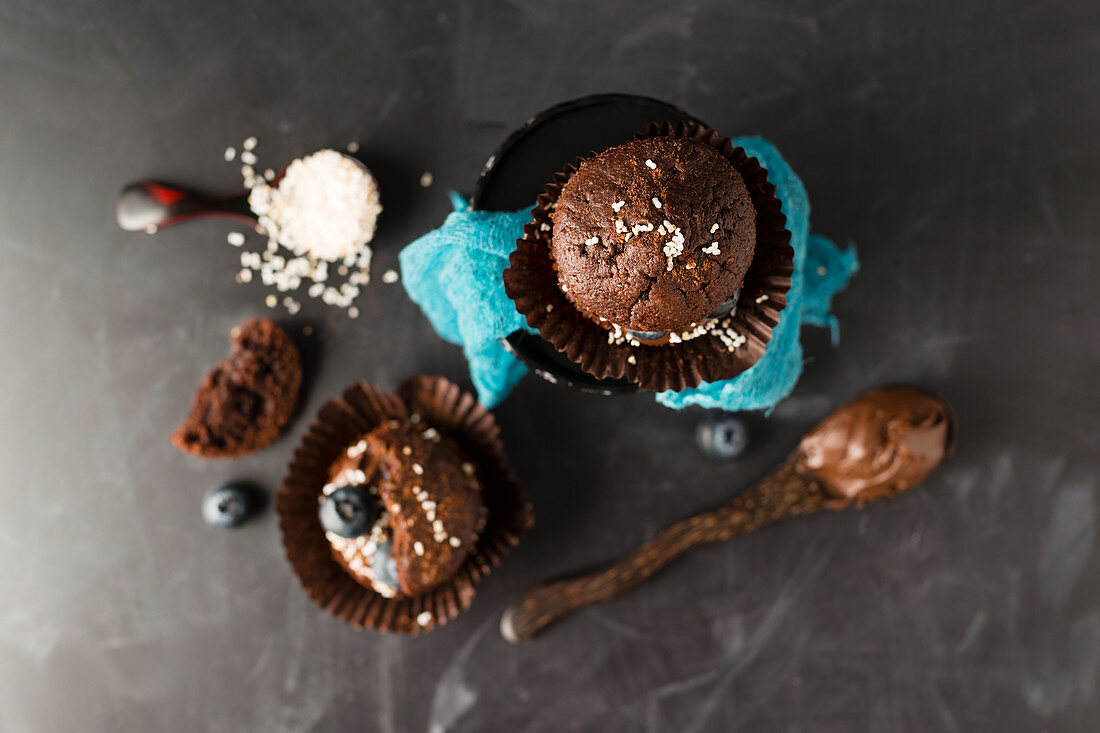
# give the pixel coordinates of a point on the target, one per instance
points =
(452, 509)
(730, 339)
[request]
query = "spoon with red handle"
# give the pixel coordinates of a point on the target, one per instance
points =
(146, 206)
(875, 447)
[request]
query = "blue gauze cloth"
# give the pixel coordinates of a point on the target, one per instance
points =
(454, 274)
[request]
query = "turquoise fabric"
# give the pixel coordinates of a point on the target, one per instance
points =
(454, 274)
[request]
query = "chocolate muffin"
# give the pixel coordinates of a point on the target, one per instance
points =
(653, 236)
(397, 504)
(245, 401)
(412, 508)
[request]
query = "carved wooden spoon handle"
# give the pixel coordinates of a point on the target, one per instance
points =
(781, 494)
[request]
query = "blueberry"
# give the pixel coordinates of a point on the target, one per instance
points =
(349, 511)
(383, 567)
(229, 505)
(721, 436)
(726, 306)
(646, 335)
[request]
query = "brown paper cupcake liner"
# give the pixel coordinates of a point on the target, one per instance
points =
(339, 423)
(531, 281)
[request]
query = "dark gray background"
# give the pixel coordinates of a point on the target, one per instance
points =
(955, 144)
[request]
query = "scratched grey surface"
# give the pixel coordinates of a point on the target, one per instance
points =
(958, 147)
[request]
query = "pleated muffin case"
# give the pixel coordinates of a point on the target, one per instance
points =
(532, 282)
(431, 401)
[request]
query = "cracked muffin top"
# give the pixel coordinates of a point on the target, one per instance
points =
(653, 235)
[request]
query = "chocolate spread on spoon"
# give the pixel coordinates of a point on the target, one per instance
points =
(879, 444)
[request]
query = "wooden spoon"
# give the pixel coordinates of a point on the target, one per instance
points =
(875, 447)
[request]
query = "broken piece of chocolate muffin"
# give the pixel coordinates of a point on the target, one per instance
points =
(654, 235)
(245, 401)
(423, 503)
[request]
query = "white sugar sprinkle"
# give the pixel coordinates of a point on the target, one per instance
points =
(390, 277)
(822, 271)
(657, 202)
(631, 359)
(230, 153)
(593, 240)
(713, 229)
(424, 618)
(468, 469)
(712, 249)
(455, 542)
(250, 143)
(235, 238)
(418, 469)
(426, 179)
(248, 157)
(418, 548)
(618, 205)
(271, 301)
(352, 147)
(762, 298)
(353, 312)
(651, 164)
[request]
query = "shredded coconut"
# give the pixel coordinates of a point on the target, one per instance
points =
(326, 206)
(324, 216)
